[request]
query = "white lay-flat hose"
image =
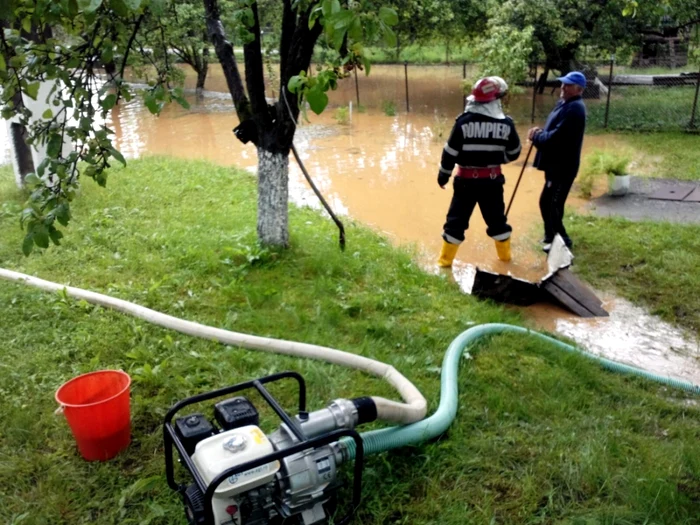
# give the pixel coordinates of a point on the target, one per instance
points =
(413, 409)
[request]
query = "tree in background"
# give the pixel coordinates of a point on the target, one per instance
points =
(561, 28)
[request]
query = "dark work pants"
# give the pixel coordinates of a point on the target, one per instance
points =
(556, 190)
(488, 193)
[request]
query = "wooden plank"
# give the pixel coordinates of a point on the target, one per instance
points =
(565, 299)
(569, 290)
(572, 285)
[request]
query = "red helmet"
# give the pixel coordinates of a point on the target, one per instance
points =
(489, 89)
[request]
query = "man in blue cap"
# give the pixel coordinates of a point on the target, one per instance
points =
(559, 154)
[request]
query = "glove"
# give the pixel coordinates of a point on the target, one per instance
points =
(443, 178)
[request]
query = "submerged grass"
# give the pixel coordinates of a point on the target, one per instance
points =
(649, 263)
(540, 437)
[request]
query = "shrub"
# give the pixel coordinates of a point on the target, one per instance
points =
(342, 115)
(389, 108)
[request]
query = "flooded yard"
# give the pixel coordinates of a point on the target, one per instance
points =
(381, 170)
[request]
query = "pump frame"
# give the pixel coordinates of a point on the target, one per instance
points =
(171, 439)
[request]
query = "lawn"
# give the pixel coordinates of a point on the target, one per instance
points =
(540, 436)
(653, 264)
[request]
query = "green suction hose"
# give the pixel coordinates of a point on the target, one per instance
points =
(376, 441)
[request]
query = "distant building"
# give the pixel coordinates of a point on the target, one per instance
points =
(666, 46)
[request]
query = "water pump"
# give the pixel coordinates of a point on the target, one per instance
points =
(242, 476)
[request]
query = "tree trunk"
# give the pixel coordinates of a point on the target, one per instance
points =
(201, 78)
(542, 80)
(273, 189)
(22, 150)
(23, 154)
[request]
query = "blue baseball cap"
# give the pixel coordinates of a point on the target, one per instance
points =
(574, 77)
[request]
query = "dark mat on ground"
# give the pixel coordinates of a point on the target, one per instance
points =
(559, 286)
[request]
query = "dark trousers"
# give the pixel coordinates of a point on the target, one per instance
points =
(488, 193)
(556, 190)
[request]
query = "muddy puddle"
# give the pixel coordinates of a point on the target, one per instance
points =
(381, 170)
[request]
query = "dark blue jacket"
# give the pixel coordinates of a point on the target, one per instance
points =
(559, 144)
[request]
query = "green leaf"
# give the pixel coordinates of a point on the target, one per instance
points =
(47, 114)
(108, 102)
(157, 7)
(367, 64)
(41, 236)
(32, 180)
(318, 100)
(389, 37)
(355, 29)
(27, 25)
(117, 155)
(3, 64)
(32, 90)
(55, 235)
(53, 150)
(28, 244)
(388, 16)
(133, 4)
(338, 37)
(89, 6)
(295, 83)
(62, 214)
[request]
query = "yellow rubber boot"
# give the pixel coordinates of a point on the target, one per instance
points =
(503, 250)
(447, 254)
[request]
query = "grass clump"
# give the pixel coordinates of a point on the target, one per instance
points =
(540, 436)
(389, 108)
(342, 115)
(600, 163)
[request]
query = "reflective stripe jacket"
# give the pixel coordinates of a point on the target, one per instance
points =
(480, 141)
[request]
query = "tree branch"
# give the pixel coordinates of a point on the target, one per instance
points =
(289, 19)
(224, 51)
(254, 76)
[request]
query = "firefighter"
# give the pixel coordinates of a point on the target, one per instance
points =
(482, 139)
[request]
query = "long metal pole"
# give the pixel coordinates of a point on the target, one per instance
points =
(607, 102)
(357, 88)
(534, 96)
(695, 102)
(405, 71)
(527, 157)
(464, 77)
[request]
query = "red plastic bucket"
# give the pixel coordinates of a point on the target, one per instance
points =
(96, 406)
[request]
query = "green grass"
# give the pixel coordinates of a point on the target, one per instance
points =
(422, 54)
(638, 108)
(653, 264)
(666, 155)
(540, 437)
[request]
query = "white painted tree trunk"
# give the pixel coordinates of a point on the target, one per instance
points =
(273, 197)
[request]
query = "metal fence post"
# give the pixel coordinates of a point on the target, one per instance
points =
(405, 71)
(464, 77)
(534, 95)
(357, 88)
(695, 102)
(607, 102)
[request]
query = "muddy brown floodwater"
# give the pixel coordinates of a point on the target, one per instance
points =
(381, 170)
